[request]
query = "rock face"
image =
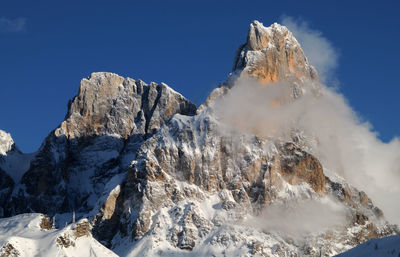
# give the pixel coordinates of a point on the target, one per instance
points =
(156, 177)
(273, 54)
(108, 104)
(6, 187)
(106, 122)
(298, 166)
(189, 164)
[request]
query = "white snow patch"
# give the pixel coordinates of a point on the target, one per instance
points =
(23, 232)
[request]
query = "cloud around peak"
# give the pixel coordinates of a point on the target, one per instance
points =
(319, 50)
(346, 145)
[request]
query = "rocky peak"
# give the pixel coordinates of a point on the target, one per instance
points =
(106, 123)
(13, 163)
(108, 104)
(6, 142)
(272, 54)
(259, 36)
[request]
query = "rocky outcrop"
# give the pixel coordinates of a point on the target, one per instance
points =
(110, 203)
(9, 250)
(45, 223)
(82, 228)
(297, 166)
(65, 241)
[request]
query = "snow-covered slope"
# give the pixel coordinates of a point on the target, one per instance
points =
(383, 247)
(25, 235)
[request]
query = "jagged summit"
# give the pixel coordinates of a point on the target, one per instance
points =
(259, 36)
(110, 104)
(272, 54)
(106, 123)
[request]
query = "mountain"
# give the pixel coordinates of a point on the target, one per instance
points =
(105, 125)
(148, 173)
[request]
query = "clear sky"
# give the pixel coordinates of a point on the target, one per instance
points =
(47, 46)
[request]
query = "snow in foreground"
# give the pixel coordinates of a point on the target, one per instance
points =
(22, 235)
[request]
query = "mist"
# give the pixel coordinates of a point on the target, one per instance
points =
(296, 219)
(333, 132)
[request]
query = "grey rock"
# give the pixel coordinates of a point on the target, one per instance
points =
(106, 123)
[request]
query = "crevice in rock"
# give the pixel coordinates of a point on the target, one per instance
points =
(153, 108)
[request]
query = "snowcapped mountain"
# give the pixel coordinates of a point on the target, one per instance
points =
(105, 125)
(148, 173)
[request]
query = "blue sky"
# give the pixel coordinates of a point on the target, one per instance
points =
(46, 47)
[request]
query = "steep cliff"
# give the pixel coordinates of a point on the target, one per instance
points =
(106, 122)
(13, 164)
(272, 54)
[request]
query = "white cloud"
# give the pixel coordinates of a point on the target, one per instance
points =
(298, 219)
(319, 51)
(331, 130)
(12, 25)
